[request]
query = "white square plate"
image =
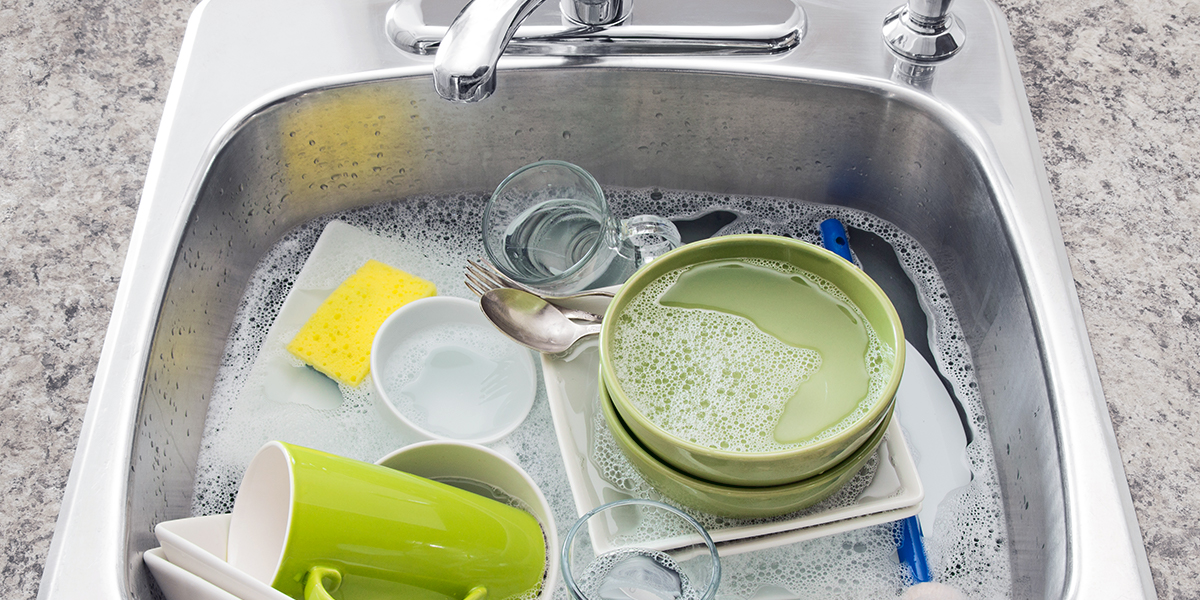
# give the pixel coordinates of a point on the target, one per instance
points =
(894, 493)
(197, 545)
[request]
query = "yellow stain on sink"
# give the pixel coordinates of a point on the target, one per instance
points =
(348, 141)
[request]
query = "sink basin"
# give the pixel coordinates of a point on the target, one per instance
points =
(284, 112)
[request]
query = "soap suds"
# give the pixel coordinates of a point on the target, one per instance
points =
(968, 548)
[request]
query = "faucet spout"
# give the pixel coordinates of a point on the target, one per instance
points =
(464, 69)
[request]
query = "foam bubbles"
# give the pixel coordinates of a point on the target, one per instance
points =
(650, 574)
(716, 379)
(968, 548)
(460, 380)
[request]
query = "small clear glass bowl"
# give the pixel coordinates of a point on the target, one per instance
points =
(638, 549)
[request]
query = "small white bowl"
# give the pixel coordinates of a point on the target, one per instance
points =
(445, 371)
(466, 466)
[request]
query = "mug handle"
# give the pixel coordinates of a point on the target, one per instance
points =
(314, 585)
(646, 237)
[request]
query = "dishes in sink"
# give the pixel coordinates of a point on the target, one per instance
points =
(177, 582)
(447, 374)
(598, 472)
(486, 472)
(198, 546)
(734, 501)
(752, 360)
(191, 563)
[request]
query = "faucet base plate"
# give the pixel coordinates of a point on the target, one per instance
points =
(708, 27)
(922, 42)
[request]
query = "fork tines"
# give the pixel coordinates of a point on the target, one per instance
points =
(475, 287)
(481, 278)
(484, 278)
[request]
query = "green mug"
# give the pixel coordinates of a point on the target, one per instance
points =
(318, 526)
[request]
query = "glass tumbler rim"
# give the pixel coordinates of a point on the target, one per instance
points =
(714, 582)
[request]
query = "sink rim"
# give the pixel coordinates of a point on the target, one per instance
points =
(1074, 387)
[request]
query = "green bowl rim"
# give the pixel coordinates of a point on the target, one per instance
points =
(609, 373)
(859, 456)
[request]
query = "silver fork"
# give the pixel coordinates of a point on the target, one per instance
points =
(482, 277)
(488, 277)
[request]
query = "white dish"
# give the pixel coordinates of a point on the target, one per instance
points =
(572, 390)
(197, 545)
(178, 583)
(338, 253)
(444, 370)
(935, 432)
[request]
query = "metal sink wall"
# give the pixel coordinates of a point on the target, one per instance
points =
(377, 142)
(959, 172)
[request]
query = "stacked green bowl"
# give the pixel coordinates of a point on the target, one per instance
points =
(803, 301)
(735, 501)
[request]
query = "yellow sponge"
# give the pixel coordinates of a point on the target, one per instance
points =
(336, 340)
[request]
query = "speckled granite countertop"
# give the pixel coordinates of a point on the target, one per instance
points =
(1113, 87)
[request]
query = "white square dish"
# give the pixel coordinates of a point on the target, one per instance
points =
(178, 583)
(197, 545)
(572, 388)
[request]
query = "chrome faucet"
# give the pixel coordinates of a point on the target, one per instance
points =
(596, 13)
(924, 31)
(467, 51)
(465, 67)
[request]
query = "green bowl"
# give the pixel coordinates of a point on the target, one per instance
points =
(759, 468)
(733, 501)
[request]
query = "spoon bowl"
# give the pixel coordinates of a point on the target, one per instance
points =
(533, 322)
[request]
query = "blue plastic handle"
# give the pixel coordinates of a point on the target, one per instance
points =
(911, 549)
(910, 545)
(833, 237)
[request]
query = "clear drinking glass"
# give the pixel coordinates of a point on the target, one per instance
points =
(549, 227)
(639, 549)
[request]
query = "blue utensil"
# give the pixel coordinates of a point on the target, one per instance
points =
(910, 542)
(834, 239)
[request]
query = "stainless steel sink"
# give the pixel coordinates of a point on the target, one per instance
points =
(283, 111)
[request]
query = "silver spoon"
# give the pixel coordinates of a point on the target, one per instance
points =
(533, 322)
(570, 313)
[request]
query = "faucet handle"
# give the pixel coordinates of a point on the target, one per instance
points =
(600, 13)
(929, 10)
(924, 30)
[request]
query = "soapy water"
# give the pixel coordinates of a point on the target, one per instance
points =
(968, 547)
(718, 380)
(635, 574)
(552, 237)
(462, 381)
(698, 397)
